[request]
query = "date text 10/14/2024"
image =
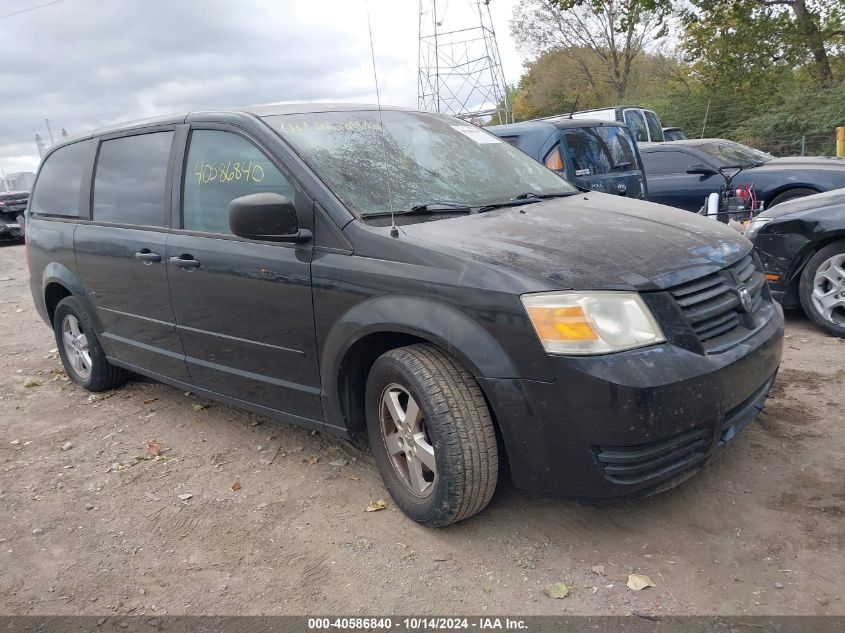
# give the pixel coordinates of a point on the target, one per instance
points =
(418, 623)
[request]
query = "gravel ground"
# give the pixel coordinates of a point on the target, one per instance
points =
(275, 522)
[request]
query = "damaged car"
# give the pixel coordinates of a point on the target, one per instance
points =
(408, 277)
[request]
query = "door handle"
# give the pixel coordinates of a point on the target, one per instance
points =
(147, 256)
(185, 261)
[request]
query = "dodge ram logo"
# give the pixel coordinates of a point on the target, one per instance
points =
(745, 299)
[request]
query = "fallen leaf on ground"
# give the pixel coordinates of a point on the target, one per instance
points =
(255, 423)
(375, 506)
(236, 486)
(32, 382)
(199, 406)
(153, 448)
(598, 569)
(150, 400)
(185, 496)
(311, 460)
(557, 590)
(354, 477)
(638, 582)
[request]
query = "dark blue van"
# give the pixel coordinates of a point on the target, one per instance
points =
(597, 155)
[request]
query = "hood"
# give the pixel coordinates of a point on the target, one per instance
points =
(807, 203)
(804, 162)
(591, 241)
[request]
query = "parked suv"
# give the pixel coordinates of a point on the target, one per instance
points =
(418, 280)
(596, 155)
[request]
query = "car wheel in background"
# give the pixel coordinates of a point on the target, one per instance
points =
(791, 194)
(822, 288)
(82, 356)
(431, 434)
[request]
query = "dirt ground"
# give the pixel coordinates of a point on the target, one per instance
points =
(86, 527)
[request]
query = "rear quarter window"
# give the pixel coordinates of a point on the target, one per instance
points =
(59, 180)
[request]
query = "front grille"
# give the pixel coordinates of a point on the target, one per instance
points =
(712, 304)
(636, 464)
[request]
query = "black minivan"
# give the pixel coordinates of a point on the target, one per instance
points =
(597, 155)
(409, 276)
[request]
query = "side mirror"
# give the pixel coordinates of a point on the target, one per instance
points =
(266, 216)
(701, 168)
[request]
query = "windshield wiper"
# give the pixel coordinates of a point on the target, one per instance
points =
(429, 207)
(543, 196)
(525, 198)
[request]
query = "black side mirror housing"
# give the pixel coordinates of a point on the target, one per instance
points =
(701, 168)
(270, 217)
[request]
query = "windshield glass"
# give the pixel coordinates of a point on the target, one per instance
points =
(426, 158)
(730, 153)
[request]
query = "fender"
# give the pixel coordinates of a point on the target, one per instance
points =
(55, 272)
(439, 323)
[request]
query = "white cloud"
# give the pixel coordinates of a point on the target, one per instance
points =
(86, 63)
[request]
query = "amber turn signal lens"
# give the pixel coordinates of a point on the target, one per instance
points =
(561, 324)
(772, 277)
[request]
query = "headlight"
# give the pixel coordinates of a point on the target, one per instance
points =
(583, 323)
(755, 225)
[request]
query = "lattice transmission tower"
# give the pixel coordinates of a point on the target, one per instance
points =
(460, 71)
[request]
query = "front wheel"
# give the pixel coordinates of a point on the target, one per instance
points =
(80, 350)
(431, 434)
(822, 288)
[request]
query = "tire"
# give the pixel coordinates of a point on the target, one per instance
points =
(791, 194)
(454, 433)
(84, 361)
(824, 276)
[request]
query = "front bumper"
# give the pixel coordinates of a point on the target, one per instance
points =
(635, 422)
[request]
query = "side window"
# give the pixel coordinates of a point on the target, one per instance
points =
(129, 183)
(655, 130)
(636, 123)
(663, 163)
(57, 189)
(222, 166)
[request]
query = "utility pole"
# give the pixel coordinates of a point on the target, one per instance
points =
(459, 70)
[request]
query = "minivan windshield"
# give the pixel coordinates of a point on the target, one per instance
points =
(424, 160)
(734, 154)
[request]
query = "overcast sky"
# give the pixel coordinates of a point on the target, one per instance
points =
(86, 63)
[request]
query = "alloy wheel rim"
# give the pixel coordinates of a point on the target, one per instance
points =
(406, 439)
(829, 290)
(75, 343)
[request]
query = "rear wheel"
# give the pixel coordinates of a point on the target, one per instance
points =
(791, 194)
(822, 288)
(431, 434)
(80, 350)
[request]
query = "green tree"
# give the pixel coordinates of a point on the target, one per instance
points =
(760, 38)
(616, 32)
